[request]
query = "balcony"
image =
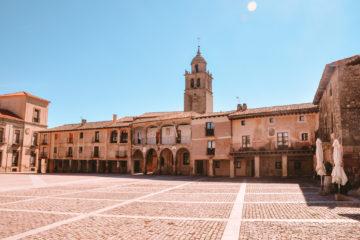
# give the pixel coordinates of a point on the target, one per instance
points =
(210, 151)
(70, 140)
(44, 142)
(121, 154)
(43, 155)
(95, 155)
(209, 132)
(69, 154)
(168, 140)
(16, 144)
(151, 141)
(95, 140)
(34, 145)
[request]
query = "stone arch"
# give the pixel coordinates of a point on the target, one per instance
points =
(138, 162)
(151, 162)
(166, 161)
(182, 162)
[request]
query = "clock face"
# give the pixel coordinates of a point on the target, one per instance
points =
(27, 131)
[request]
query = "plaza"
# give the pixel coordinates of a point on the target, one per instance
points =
(111, 206)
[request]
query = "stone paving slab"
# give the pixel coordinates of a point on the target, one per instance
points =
(36, 192)
(281, 190)
(205, 190)
(276, 230)
(137, 189)
(7, 199)
(195, 197)
(287, 197)
(298, 211)
(61, 205)
(197, 210)
(12, 223)
(103, 195)
(128, 228)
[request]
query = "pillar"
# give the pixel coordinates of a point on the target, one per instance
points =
(62, 165)
(211, 168)
(97, 166)
(88, 166)
(257, 165)
(284, 165)
(232, 168)
(79, 166)
(70, 165)
(106, 166)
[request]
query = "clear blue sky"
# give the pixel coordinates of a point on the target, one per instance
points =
(95, 58)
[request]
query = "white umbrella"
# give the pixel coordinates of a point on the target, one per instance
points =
(320, 168)
(338, 174)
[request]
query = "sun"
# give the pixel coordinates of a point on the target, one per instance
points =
(252, 6)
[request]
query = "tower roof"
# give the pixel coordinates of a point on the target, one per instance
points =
(198, 58)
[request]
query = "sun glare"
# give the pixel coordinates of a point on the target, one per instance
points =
(252, 6)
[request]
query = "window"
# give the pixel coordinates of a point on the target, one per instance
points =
(304, 137)
(138, 137)
(113, 136)
(330, 90)
(15, 158)
(80, 149)
(243, 122)
(246, 141)
(271, 120)
(186, 159)
(211, 148)
(198, 82)
(196, 68)
(178, 136)
(36, 117)
(282, 139)
(237, 164)
(44, 141)
(56, 136)
(97, 136)
(124, 136)
(297, 165)
(81, 135)
(301, 118)
(69, 152)
(32, 159)
(192, 83)
(278, 165)
(96, 152)
(55, 149)
(71, 138)
(17, 137)
(216, 164)
(2, 139)
(209, 129)
(35, 139)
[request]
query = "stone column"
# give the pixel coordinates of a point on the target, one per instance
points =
(232, 168)
(70, 165)
(106, 166)
(97, 166)
(257, 165)
(62, 165)
(79, 166)
(284, 165)
(211, 168)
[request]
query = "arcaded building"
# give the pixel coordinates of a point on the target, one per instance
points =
(260, 142)
(22, 116)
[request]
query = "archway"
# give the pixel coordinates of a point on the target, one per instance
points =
(182, 163)
(166, 161)
(151, 161)
(138, 162)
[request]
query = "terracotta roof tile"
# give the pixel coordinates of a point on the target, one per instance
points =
(24, 94)
(275, 110)
(215, 114)
(8, 114)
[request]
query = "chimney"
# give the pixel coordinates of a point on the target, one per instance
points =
(244, 106)
(239, 107)
(83, 121)
(114, 117)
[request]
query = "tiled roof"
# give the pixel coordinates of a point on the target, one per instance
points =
(156, 114)
(275, 110)
(88, 125)
(215, 114)
(24, 94)
(166, 116)
(328, 71)
(7, 114)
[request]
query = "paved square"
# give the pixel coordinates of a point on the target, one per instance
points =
(79, 206)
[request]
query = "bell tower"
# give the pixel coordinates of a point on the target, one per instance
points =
(198, 87)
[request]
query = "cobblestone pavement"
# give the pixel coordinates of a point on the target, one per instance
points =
(75, 206)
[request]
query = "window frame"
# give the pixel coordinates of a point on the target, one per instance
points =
(284, 139)
(247, 142)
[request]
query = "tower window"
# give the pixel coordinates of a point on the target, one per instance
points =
(192, 83)
(198, 82)
(196, 68)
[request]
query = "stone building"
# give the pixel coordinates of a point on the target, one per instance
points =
(338, 98)
(261, 142)
(22, 115)
(89, 147)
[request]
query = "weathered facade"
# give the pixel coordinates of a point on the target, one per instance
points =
(22, 115)
(338, 97)
(261, 142)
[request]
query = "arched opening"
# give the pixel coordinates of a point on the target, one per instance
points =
(192, 83)
(151, 161)
(166, 162)
(138, 162)
(198, 82)
(182, 162)
(196, 68)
